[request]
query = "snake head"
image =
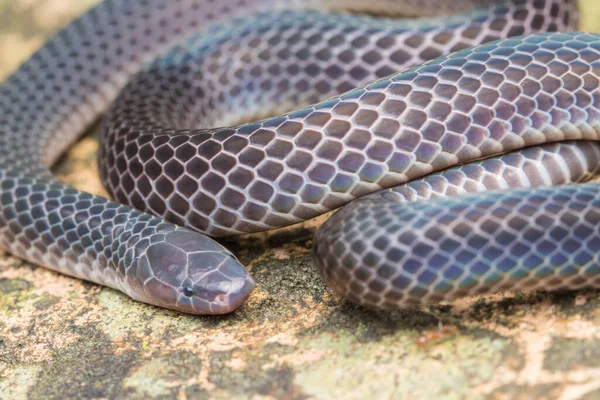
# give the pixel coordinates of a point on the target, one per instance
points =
(189, 272)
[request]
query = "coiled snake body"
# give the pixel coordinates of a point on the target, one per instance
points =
(382, 125)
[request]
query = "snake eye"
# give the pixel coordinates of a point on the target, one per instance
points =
(187, 291)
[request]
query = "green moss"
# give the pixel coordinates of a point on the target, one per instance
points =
(161, 376)
(14, 293)
(532, 392)
(88, 368)
(395, 367)
(9, 286)
(276, 380)
(45, 302)
(567, 354)
(16, 381)
(330, 348)
(593, 395)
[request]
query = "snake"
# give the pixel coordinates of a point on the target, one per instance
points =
(463, 134)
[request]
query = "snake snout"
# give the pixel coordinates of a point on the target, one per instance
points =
(189, 272)
(227, 286)
(219, 294)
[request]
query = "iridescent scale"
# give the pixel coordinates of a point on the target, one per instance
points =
(174, 144)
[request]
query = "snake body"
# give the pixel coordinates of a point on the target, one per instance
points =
(382, 125)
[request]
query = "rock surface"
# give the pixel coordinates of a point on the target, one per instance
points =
(64, 338)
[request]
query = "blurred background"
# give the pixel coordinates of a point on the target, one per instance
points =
(60, 337)
(24, 24)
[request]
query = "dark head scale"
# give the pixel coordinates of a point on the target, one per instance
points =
(189, 272)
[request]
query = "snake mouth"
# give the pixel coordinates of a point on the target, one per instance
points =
(190, 273)
(216, 298)
(229, 296)
(224, 289)
(221, 290)
(239, 292)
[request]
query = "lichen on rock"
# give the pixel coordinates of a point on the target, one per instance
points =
(61, 337)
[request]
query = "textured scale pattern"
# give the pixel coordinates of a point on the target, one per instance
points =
(91, 238)
(420, 253)
(406, 254)
(166, 148)
(159, 157)
(410, 254)
(545, 165)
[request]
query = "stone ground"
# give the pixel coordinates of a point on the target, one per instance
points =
(64, 338)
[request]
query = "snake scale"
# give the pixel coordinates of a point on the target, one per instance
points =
(471, 96)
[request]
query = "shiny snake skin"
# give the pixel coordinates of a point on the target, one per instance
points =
(261, 57)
